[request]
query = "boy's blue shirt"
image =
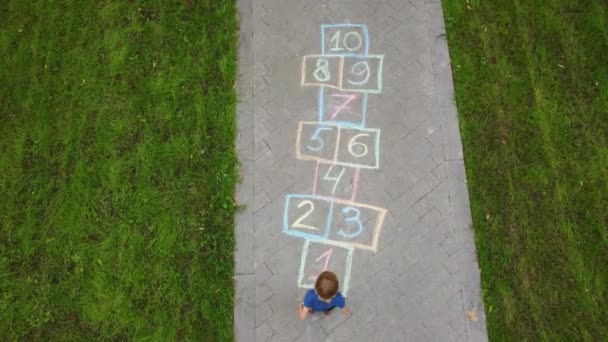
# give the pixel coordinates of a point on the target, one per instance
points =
(312, 301)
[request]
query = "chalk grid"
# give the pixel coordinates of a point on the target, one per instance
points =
(352, 73)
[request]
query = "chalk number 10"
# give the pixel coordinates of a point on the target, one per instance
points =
(351, 41)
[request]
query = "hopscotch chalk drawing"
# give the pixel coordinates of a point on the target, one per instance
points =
(329, 220)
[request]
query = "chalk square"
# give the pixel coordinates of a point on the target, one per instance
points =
(316, 141)
(356, 224)
(359, 147)
(307, 216)
(344, 39)
(337, 181)
(319, 256)
(347, 109)
(322, 70)
(362, 73)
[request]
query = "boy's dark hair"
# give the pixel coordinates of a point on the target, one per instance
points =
(327, 285)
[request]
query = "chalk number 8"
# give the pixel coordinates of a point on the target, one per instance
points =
(321, 73)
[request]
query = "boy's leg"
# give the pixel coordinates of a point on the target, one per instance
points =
(303, 311)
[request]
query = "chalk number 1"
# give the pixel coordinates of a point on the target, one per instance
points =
(326, 257)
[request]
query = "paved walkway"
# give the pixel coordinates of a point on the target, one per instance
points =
(376, 193)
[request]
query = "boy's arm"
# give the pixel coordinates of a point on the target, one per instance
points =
(303, 312)
(341, 302)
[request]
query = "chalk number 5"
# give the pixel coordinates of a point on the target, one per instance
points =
(318, 141)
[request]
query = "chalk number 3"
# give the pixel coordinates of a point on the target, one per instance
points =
(356, 218)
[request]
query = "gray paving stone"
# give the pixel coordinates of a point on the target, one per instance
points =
(262, 293)
(362, 313)
(280, 319)
(312, 331)
(452, 243)
(278, 281)
(260, 198)
(262, 313)
(452, 264)
(458, 324)
(430, 217)
(285, 302)
(412, 320)
(389, 327)
(244, 307)
(419, 334)
(366, 333)
(263, 332)
(437, 321)
(342, 333)
(262, 272)
(279, 184)
(288, 333)
(332, 321)
(446, 335)
(437, 197)
(424, 277)
(261, 218)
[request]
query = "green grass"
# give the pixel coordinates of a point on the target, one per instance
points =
(117, 128)
(532, 94)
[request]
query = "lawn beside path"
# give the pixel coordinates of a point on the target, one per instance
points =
(117, 129)
(531, 82)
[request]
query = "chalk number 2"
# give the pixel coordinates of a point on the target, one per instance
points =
(298, 223)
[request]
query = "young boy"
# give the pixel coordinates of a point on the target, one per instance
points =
(324, 297)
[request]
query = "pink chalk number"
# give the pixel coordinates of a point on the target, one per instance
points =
(348, 97)
(327, 257)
